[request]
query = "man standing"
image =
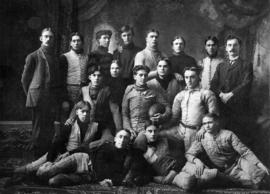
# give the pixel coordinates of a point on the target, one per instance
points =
(101, 56)
(231, 84)
(151, 54)
(126, 52)
(209, 64)
(189, 106)
(180, 59)
(73, 66)
(40, 80)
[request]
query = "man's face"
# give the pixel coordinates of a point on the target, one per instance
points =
(76, 43)
(232, 48)
(151, 133)
(211, 48)
(121, 139)
(83, 114)
(178, 45)
(191, 79)
(104, 41)
(141, 78)
(96, 78)
(163, 69)
(115, 70)
(209, 124)
(127, 37)
(47, 38)
(152, 39)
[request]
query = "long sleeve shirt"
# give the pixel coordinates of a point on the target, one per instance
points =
(209, 66)
(126, 55)
(135, 106)
(180, 61)
(223, 149)
(148, 57)
(190, 106)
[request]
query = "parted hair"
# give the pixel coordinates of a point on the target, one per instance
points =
(140, 67)
(76, 34)
(232, 36)
(81, 104)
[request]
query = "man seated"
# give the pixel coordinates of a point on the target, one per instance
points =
(165, 83)
(157, 154)
(108, 165)
(104, 108)
(137, 100)
(70, 139)
(188, 108)
(230, 160)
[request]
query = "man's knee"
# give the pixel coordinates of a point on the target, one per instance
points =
(185, 181)
(58, 180)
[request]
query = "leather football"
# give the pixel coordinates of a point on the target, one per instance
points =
(156, 108)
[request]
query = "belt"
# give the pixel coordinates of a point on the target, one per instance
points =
(189, 126)
(73, 84)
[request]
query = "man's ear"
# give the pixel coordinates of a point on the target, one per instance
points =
(40, 38)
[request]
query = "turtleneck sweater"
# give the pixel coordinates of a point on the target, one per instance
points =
(149, 57)
(125, 55)
(181, 60)
(102, 58)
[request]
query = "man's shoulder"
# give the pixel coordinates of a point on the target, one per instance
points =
(206, 92)
(34, 54)
(129, 88)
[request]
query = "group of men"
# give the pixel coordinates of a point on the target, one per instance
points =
(113, 117)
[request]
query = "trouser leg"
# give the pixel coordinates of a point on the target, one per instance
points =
(69, 179)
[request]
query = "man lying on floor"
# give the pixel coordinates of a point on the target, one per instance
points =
(231, 162)
(68, 140)
(111, 164)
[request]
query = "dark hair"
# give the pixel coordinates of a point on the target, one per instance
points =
(117, 62)
(213, 38)
(178, 37)
(231, 36)
(126, 130)
(166, 59)
(193, 68)
(151, 30)
(103, 32)
(92, 69)
(126, 28)
(140, 67)
(212, 115)
(81, 104)
(46, 30)
(76, 34)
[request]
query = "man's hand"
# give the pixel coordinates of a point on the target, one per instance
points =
(69, 121)
(225, 97)
(264, 168)
(60, 157)
(199, 167)
(178, 77)
(169, 177)
(200, 134)
(156, 118)
(106, 183)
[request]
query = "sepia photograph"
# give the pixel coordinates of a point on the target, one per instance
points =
(135, 96)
